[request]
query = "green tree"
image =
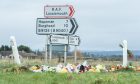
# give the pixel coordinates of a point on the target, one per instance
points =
(24, 48)
(5, 48)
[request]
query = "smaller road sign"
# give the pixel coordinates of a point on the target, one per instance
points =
(59, 39)
(74, 40)
(58, 11)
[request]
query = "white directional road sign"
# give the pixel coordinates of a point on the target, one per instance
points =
(74, 40)
(58, 11)
(45, 26)
(59, 39)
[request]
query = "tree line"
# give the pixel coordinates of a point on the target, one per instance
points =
(20, 48)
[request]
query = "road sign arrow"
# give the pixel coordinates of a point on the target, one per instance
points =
(74, 26)
(71, 10)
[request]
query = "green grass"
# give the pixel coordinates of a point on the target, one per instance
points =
(68, 78)
(27, 77)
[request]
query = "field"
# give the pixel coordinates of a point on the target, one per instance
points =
(59, 78)
(28, 77)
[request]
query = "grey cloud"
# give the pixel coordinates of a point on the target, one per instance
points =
(103, 24)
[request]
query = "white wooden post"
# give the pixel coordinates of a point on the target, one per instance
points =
(124, 53)
(15, 50)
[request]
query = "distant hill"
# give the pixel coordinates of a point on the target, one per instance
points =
(111, 53)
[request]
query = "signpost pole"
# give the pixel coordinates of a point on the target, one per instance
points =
(46, 49)
(65, 54)
(75, 54)
(50, 53)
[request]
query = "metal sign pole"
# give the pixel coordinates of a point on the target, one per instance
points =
(46, 49)
(65, 54)
(75, 54)
(50, 52)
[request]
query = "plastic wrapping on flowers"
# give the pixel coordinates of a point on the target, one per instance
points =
(81, 68)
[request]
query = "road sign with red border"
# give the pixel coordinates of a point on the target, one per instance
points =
(58, 11)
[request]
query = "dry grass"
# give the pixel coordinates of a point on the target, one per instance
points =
(70, 60)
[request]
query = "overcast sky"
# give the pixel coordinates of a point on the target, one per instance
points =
(103, 24)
